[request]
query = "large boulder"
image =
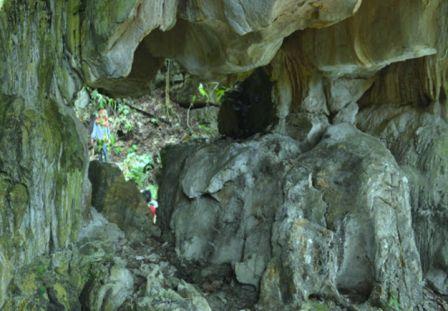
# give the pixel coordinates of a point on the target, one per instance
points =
(333, 223)
(344, 228)
(120, 201)
(420, 145)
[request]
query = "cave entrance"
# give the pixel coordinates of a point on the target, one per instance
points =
(178, 108)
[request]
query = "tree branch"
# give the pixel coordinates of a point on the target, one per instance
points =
(148, 114)
(196, 105)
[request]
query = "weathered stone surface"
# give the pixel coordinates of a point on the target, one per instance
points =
(120, 201)
(419, 143)
(321, 71)
(102, 272)
(361, 44)
(331, 222)
(111, 34)
(56, 281)
(344, 227)
(225, 36)
(43, 160)
(221, 201)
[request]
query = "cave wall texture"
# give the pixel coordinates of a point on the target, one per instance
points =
(379, 66)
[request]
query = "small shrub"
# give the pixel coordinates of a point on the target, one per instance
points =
(137, 167)
(211, 92)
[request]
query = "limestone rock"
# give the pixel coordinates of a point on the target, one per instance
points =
(332, 222)
(359, 45)
(341, 231)
(419, 143)
(120, 201)
(102, 271)
(42, 193)
(225, 36)
(111, 34)
(51, 48)
(223, 201)
(323, 70)
(43, 162)
(117, 286)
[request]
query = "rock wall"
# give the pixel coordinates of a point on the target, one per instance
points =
(43, 148)
(384, 71)
(333, 223)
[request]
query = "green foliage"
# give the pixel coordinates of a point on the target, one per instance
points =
(137, 167)
(117, 150)
(202, 91)
(119, 112)
(100, 100)
(211, 92)
(121, 120)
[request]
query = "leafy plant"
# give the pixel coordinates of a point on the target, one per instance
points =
(133, 149)
(211, 92)
(117, 150)
(137, 167)
(100, 100)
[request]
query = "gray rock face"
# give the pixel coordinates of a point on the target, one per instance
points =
(419, 143)
(226, 36)
(112, 32)
(227, 230)
(103, 271)
(43, 158)
(120, 201)
(333, 222)
(344, 227)
(132, 279)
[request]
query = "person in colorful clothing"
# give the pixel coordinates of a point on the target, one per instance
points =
(101, 134)
(152, 205)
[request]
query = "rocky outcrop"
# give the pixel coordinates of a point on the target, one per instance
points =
(419, 143)
(225, 36)
(111, 36)
(321, 74)
(123, 42)
(333, 223)
(120, 201)
(103, 271)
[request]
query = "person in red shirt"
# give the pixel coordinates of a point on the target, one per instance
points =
(152, 205)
